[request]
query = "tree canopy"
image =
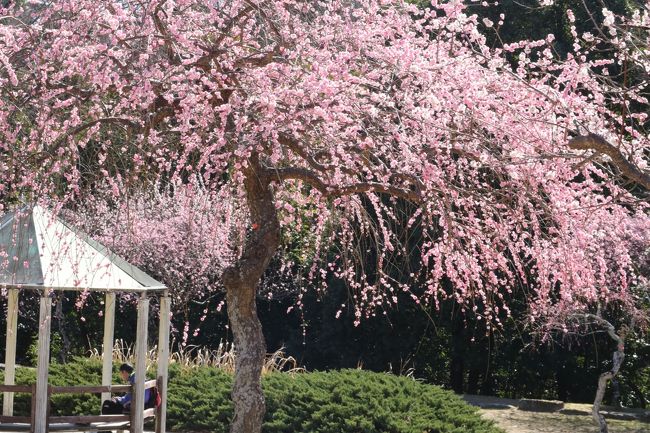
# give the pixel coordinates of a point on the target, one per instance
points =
(353, 110)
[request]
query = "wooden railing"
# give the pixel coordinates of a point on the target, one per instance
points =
(77, 419)
(27, 389)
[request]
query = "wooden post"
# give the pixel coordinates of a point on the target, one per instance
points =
(107, 355)
(49, 406)
(44, 322)
(32, 410)
(137, 403)
(163, 362)
(132, 412)
(10, 354)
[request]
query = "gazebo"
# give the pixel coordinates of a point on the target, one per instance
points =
(41, 252)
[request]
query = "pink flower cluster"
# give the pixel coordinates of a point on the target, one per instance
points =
(346, 104)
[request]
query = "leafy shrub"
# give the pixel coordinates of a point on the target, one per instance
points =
(351, 401)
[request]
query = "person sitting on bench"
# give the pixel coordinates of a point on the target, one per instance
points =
(118, 405)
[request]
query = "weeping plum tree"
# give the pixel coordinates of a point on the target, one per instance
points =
(624, 69)
(338, 113)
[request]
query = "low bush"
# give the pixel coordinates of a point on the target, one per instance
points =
(358, 401)
(80, 372)
(351, 401)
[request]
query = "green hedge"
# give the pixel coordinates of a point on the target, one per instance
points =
(350, 401)
(81, 372)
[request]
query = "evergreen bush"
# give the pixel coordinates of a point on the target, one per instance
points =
(350, 401)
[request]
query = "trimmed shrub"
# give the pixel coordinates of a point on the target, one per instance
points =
(80, 372)
(351, 401)
(358, 401)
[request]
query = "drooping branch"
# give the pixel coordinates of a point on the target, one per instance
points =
(598, 144)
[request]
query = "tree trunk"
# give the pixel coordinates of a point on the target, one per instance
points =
(618, 358)
(250, 351)
(241, 281)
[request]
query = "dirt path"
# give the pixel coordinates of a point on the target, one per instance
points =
(578, 420)
(517, 421)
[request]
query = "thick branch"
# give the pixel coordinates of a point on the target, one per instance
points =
(599, 144)
(84, 126)
(301, 152)
(363, 187)
(160, 26)
(610, 328)
(311, 178)
(312, 161)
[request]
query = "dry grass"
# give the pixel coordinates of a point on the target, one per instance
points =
(222, 357)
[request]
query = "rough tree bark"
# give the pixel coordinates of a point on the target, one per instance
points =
(241, 281)
(598, 144)
(618, 358)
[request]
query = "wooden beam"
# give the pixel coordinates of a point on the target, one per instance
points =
(44, 322)
(90, 389)
(88, 419)
(107, 348)
(137, 403)
(10, 351)
(92, 427)
(14, 419)
(163, 362)
(154, 289)
(15, 388)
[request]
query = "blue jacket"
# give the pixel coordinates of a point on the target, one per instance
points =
(125, 400)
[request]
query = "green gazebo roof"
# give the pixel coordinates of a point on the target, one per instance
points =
(39, 250)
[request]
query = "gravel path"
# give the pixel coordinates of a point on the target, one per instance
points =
(517, 421)
(575, 419)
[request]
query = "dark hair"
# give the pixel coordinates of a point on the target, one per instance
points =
(126, 367)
